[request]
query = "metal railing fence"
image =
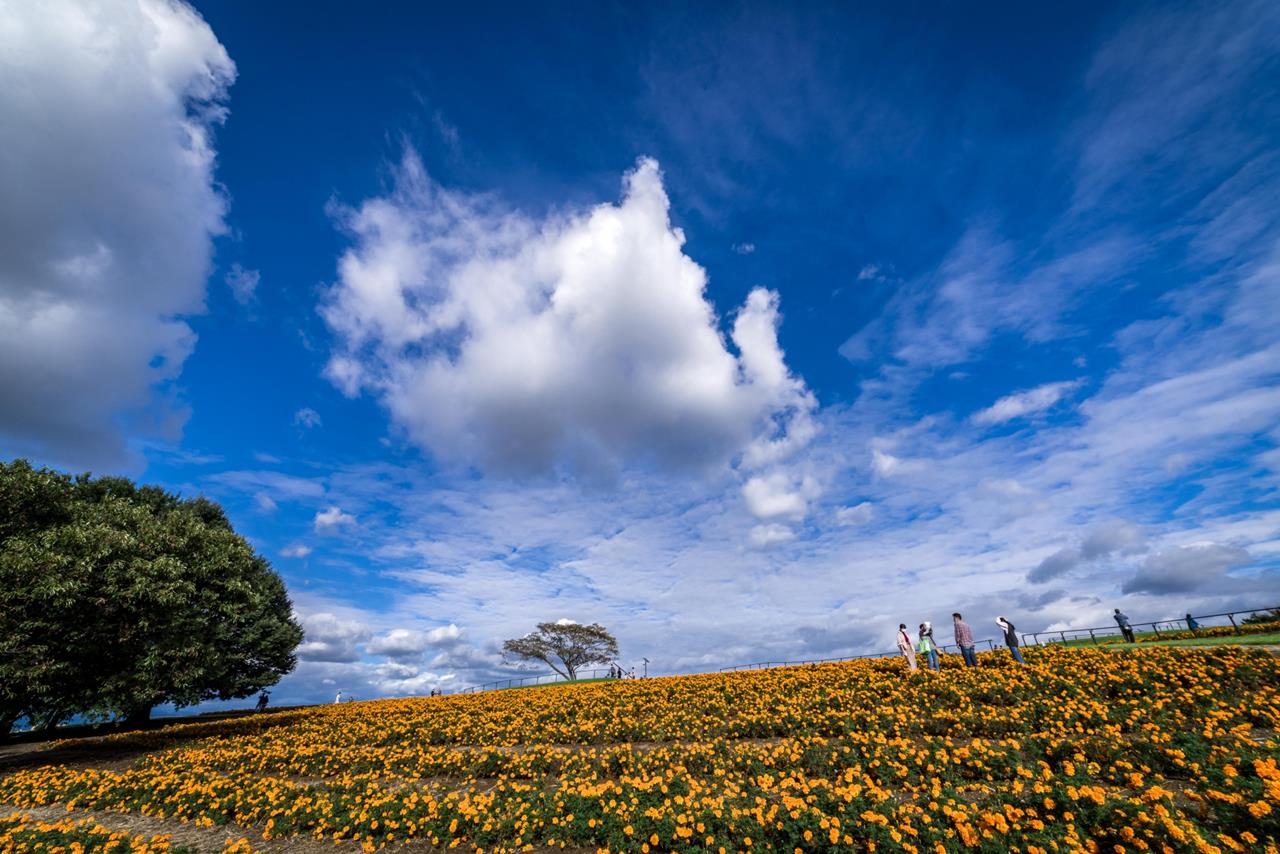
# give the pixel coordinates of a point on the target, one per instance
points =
(522, 681)
(1097, 633)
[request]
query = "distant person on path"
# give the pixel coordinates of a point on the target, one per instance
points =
(926, 648)
(337, 699)
(1010, 638)
(263, 698)
(1191, 623)
(1125, 629)
(904, 646)
(964, 640)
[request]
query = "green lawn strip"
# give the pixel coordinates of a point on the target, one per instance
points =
(1155, 640)
(1242, 640)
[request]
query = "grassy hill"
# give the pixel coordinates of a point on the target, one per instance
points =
(1157, 749)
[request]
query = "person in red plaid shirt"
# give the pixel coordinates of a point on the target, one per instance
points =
(964, 640)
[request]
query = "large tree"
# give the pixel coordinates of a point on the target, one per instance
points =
(573, 645)
(116, 598)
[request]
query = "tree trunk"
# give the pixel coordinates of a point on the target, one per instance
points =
(46, 724)
(138, 716)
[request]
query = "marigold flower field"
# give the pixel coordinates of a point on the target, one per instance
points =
(21, 834)
(1157, 749)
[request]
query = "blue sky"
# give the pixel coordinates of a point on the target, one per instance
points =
(749, 331)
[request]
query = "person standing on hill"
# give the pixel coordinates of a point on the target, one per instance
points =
(263, 699)
(904, 646)
(964, 640)
(1191, 623)
(1125, 629)
(937, 650)
(926, 647)
(1010, 638)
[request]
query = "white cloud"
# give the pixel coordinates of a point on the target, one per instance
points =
(332, 518)
(265, 502)
(1186, 568)
(1059, 563)
(1114, 537)
(583, 341)
(101, 256)
(298, 551)
(778, 495)
(400, 680)
(307, 418)
(243, 283)
(765, 536)
(885, 464)
(744, 248)
(858, 514)
(331, 638)
(404, 643)
(1023, 403)
(1002, 488)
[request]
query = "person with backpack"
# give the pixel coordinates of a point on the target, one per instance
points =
(964, 640)
(925, 646)
(1010, 638)
(263, 698)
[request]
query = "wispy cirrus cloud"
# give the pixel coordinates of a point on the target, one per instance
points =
(1023, 403)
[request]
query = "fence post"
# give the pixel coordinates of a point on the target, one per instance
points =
(1064, 636)
(1092, 636)
(1156, 627)
(1232, 618)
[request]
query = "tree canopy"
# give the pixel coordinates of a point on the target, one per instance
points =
(573, 645)
(1263, 617)
(115, 598)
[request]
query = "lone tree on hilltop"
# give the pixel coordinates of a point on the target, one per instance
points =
(115, 598)
(572, 644)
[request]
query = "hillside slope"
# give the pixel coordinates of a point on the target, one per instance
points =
(1154, 749)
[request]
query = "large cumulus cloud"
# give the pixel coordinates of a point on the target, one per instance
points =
(581, 341)
(107, 211)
